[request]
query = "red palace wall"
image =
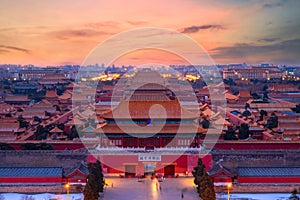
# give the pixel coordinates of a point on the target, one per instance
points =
(269, 179)
(224, 180)
(183, 163)
(31, 180)
(238, 145)
(257, 145)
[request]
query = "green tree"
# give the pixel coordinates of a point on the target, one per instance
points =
(246, 113)
(230, 134)
(22, 122)
(205, 185)
(205, 123)
(90, 191)
(272, 122)
(41, 133)
(95, 181)
(37, 119)
(47, 114)
(207, 190)
(297, 108)
(244, 131)
(96, 170)
(247, 106)
(45, 146)
(262, 113)
(57, 108)
(29, 146)
(198, 173)
(73, 133)
(255, 95)
(6, 146)
(99, 175)
(265, 96)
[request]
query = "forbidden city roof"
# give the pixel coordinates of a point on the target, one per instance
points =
(51, 94)
(82, 167)
(268, 171)
(170, 109)
(218, 170)
(31, 171)
(56, 130)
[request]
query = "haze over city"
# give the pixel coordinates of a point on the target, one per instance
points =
(150, 100)
(64, 32)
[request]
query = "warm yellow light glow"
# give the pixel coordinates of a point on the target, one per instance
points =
(67, 186)
(192, 77)
(229, 185)
(154, 187)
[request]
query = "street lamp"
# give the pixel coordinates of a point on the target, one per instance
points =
(229, 185)
(67, 186)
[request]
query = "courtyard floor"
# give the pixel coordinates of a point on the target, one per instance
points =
(131, 189)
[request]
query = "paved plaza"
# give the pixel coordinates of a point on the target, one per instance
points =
(131, 189)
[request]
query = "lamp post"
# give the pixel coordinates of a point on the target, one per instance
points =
(67, 186)
(229, 185)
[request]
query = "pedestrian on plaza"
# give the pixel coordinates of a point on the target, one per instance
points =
(182, 195)
(112, 185)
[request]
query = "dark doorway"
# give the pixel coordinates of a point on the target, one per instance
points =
(169, 170)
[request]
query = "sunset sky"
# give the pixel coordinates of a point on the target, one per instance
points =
(53, 32)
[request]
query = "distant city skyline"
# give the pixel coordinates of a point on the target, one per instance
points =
(58, 33)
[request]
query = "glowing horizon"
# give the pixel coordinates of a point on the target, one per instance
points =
(58, 33)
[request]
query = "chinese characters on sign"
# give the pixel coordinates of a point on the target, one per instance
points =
(149, 158)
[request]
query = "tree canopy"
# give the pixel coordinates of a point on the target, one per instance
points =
(205, 185)
(244, 131)
(230, 134)
(6, 146)
(95, 182)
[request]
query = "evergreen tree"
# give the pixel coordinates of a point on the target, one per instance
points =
(90, 191)
(98, 175)
(22, 122)
(230, 134)
(207, 190)
(247, 106)
(244, 131)
(205, 123)
(198, 172)
(262, 114)
(272, 122)
(73, 133)
(29, 146)
(6, 146)
(205, 185)
(37, 119)
(95, 182)
(246, 113)
(41, 133)
(45, 146)
(297, 108)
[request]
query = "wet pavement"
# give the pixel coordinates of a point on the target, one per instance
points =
(131, 189)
